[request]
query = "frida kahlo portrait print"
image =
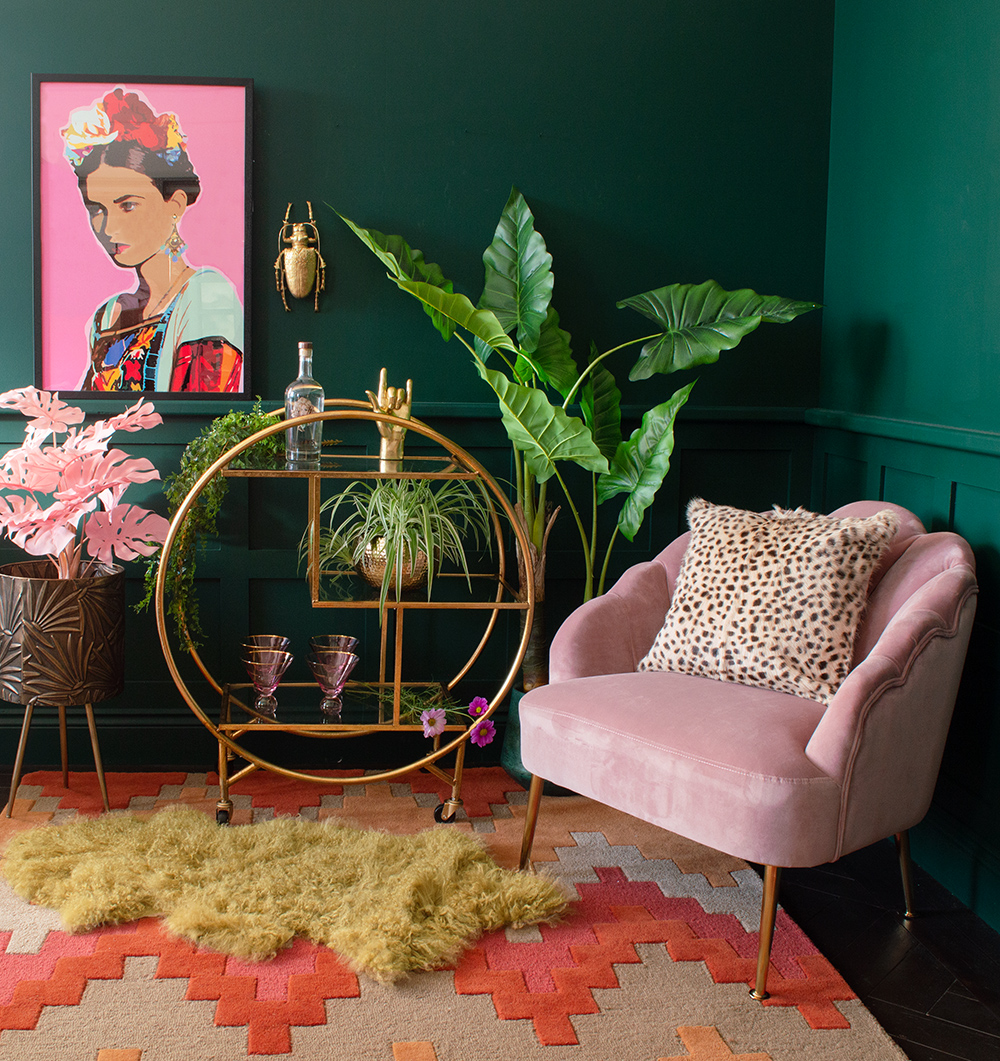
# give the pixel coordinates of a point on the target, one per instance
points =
(142, 236)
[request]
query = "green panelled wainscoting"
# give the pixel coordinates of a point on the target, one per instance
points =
(951, 479)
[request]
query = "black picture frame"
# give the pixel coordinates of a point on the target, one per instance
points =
(95, 333)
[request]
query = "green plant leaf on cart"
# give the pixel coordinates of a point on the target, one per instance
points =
(519, 276)
(543, 432)
(406, 263)
(480, 322)
(600, 403)
(641, 463)
(701, 320)
(401, 519)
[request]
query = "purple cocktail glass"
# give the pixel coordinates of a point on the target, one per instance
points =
(265, 666)
(331, 668)
(267, 641)
(327, 642)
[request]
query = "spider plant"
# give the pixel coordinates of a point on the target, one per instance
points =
(402, 521)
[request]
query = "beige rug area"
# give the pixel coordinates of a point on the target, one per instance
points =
(651, 962)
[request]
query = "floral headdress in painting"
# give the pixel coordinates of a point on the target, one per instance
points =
(122, 116)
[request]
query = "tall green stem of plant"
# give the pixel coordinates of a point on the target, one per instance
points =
(596, 361)
(588, 575)
(538, 525)
(607, 561)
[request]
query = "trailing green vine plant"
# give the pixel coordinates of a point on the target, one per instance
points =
(200, 454)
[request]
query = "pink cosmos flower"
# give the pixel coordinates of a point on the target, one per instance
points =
(483, 732)
(46, 490)
(433, 720)
(479, 706)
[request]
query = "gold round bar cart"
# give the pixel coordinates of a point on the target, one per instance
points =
(228, 731)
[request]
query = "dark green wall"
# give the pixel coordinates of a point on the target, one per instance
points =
(912, 326)
(910, 376)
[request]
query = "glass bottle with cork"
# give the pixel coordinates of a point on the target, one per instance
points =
(304, 396)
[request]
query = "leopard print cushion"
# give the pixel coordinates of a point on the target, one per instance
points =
(770, 599)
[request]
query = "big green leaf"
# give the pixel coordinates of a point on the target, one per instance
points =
(641, 464)
(405, 263)
(701, 320)
(543, 432)
(600, 403)
(518, 274)
(457, 308)
(553, 357)
(552, 361)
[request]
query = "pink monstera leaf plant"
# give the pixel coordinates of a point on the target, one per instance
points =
(61, 496)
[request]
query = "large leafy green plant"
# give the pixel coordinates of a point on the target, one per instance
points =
(519, 349)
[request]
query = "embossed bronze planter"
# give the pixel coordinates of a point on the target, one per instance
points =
(62, 642)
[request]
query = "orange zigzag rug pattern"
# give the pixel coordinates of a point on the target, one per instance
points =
(657, 918)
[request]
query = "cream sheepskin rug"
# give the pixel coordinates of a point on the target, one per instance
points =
(387, 904)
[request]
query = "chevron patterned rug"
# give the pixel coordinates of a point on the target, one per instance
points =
(652, 963)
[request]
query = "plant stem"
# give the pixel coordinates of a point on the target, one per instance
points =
(520, 487)
(588, 581)
(593, 532)
(607, 560)
(530, 504)
(597, 360)
(538, 526)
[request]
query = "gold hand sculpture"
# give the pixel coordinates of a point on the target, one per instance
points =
(393, 401)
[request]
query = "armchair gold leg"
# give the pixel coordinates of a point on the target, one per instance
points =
(531, 819)
(768, 913)
(906, 872)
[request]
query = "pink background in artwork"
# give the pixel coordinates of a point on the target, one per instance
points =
(77, 275)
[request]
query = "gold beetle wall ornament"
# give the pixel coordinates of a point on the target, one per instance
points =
(299, 266)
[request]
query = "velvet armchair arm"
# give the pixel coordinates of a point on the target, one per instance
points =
(610, 634)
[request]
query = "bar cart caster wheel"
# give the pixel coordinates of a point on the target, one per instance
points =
(445, 812)
(222, 814)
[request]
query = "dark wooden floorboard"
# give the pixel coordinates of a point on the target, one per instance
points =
(932, 982)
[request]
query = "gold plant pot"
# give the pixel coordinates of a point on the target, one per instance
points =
(373, 563)
(62, 641)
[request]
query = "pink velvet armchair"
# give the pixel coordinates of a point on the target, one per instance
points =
(770, 777)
